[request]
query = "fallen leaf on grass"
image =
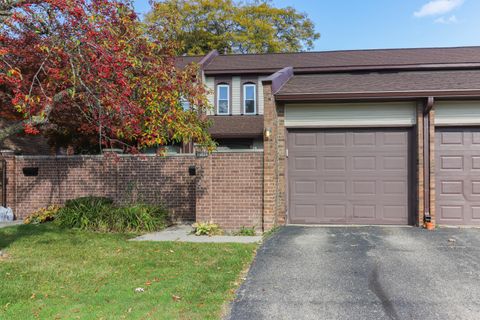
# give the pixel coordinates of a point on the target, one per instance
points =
(33, 296)
(176, 298)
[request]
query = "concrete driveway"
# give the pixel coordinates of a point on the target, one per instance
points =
(363, 273)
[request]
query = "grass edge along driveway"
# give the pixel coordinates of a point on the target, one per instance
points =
(52, 273)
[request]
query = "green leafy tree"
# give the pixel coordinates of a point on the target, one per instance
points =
(232, 27)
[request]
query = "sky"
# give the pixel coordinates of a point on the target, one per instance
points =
(373, 24)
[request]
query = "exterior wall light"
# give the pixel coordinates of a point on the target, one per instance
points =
(267, 134)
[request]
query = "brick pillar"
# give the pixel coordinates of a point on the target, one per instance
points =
(269, 159)
(281, 165)
(431, 117)
(274, 199)
(420, 167)
(9, 158)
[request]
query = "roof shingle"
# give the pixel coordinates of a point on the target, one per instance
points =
(377, 83)
(345, 60)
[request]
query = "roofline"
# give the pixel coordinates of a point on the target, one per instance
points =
(352, 50)
(377, 95)
(366, 68)
(278, 79)
(208, 58)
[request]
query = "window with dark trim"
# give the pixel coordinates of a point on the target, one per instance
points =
(249, 98)
(185, 104)
(223, 99)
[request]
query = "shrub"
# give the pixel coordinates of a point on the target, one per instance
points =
(244, 231)
(100, 214)
(207, 229)
(42, 215)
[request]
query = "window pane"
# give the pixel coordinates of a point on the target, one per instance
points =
(185, 105)
(223, 93)
(223, 106)
(250, 92)
(249, 106)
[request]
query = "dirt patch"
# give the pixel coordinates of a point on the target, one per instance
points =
(4, 256)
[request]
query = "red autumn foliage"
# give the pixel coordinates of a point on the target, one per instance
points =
(85, 68)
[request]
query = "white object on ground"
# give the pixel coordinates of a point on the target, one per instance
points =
(6, 214)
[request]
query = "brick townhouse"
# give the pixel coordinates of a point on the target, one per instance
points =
(384, 137)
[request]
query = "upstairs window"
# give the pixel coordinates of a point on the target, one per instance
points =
(185, 104)
(249, 98)
(223, 99)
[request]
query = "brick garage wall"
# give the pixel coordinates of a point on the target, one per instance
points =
(150, 179)
(230, 190)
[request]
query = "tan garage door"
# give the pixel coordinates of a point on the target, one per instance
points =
(349, 176)
(458, 175)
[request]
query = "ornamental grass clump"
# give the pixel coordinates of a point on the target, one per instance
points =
(42, 215)
(102, 215)
(207, 229)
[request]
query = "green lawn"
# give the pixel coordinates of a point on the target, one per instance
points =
(50, 273)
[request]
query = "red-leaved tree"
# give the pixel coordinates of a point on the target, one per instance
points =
(90, 64)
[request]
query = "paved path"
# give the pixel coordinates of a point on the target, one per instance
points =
(183, 233)
(11, 223)
(363, 273)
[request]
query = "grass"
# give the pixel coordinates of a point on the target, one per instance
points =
(52, 273)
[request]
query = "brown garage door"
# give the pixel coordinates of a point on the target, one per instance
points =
(458, 175)
(349, 176)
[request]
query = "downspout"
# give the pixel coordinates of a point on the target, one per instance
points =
(426, 157)
(3, 174)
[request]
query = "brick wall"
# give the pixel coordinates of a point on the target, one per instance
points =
(126, 178)
(230, 190)
(228, 187)
(420, 167)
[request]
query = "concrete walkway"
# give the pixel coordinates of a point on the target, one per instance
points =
(183, 233)
(10, 223)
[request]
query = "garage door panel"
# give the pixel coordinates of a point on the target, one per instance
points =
(458, 175)
(361, 175)
(334, 139)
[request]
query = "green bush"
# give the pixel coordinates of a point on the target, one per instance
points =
(100, 214)
(207, 229)
(244, 231)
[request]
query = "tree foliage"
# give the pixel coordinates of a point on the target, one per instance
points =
(233, 27)
(88, 67)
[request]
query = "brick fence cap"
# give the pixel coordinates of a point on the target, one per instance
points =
(6, 152)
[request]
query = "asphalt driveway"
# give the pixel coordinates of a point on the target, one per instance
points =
(363, 273)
